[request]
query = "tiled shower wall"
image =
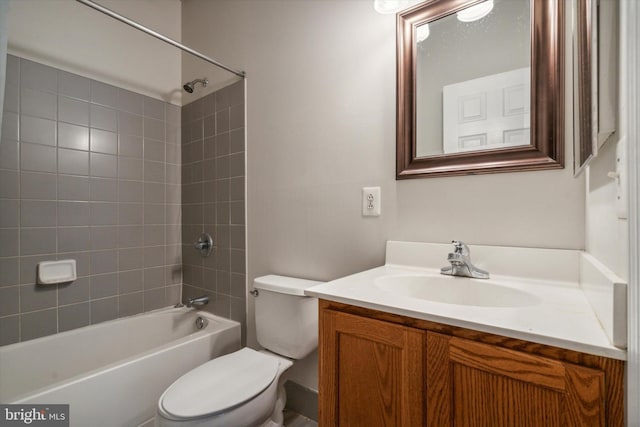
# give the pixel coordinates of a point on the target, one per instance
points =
(91, 172)
(213, 185)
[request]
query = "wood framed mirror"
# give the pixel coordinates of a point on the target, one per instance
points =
(530, 135)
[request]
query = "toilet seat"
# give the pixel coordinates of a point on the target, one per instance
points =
(219, 385)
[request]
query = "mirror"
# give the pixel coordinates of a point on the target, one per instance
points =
(595, 46)
(480, 87)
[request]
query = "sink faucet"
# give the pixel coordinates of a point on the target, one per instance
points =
(460, 260)
(203, 300)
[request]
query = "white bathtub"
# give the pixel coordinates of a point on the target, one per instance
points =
(113, 373)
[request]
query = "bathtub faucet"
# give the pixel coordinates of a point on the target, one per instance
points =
(203, 300)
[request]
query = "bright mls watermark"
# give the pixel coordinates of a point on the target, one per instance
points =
(34, 415)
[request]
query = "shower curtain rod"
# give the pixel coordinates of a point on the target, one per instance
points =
(159, 36)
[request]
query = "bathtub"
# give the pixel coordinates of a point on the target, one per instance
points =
(113, 373)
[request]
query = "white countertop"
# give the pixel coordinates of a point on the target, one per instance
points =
(562, 316)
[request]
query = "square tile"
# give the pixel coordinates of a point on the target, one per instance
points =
(129, 124)
(104, 309)
(129, 281)
(36, 103)
(131, 304)
(38, 158)
(36, 241)
(104, 213)
(130, 168)
(10, 213)
(104, 165)
(72, 162)
(74, 316)
(73, 136)
(73, 213)
(38, 324)
(153, 171)
(35, 213)
(74, 86)
(103, 118)
(104, 94)
(154, 150)
(37, 76)
(104, 285)
(9, 271)
(9, 301)
(153, 129)
(74, 239)
(104, 190)
(153, 277)
(130, 101)
(153, 108)
(9, 184)
(154, 299)
(10, 125)
(73, 188)
(73, 111)
(130, 259)
(103, 141)
(104, 262)
(75, 292)
(9, 154)
(130, 214)
(130, 146)
(9, 330)
(130, 191)
(37, 130)
(37, 297)
(104, 237)
(35, 185)
(130, 236)
(154, 257)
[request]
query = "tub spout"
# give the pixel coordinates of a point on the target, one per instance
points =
(203, 300)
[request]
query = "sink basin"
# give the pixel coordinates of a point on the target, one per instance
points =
(455, 290)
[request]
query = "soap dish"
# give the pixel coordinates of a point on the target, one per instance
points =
(52, 272)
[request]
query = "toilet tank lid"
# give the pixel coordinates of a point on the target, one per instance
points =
(284, 284)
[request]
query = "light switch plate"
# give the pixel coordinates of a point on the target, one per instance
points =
(370, 201)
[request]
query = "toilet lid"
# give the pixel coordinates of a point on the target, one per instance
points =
(220, 384)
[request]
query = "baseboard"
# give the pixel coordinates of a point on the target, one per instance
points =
(302, 400)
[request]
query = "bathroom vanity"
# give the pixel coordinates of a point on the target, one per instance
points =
(401, 345)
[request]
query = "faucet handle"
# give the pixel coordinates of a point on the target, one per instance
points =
(460, 247)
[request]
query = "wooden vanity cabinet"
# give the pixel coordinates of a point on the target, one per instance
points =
(380, 369)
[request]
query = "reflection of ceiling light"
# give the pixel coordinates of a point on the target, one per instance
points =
(392, 6)
(476, 12)
(422, 32)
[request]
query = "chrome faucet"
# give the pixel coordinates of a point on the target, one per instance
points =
(460, 260)
(203, 300)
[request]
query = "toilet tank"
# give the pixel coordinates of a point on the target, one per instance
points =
(286, 319)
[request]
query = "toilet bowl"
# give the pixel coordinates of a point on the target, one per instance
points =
(246, 388)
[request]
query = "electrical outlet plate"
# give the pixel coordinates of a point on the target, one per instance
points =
(370, 201)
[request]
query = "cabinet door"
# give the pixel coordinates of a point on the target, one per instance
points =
(475, 384)
(371, 372)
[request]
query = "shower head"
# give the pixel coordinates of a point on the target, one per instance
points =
(191, 85)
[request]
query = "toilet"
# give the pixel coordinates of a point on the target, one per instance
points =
(246, 388)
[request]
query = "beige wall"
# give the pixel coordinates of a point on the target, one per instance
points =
(70, 36)
(321, 124)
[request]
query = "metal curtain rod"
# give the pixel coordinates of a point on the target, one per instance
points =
(159, 36)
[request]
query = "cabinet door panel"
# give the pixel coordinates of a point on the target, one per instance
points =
(371, 372)
(475, 384)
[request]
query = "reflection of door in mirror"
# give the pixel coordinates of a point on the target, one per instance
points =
(473, 81)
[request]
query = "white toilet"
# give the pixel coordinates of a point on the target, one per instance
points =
(246, 388)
